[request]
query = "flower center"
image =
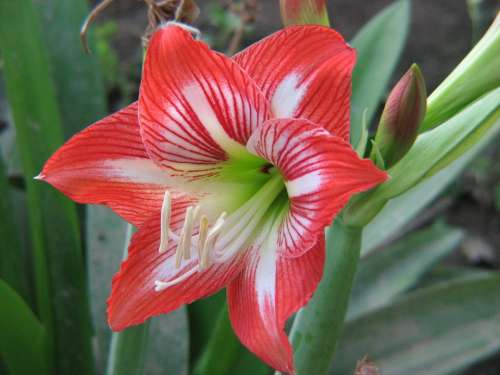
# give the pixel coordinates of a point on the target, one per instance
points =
(221, 241)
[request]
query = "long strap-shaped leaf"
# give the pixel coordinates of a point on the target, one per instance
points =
(378, 45)
(12, 262)
(128, 348)
(434, 331)
(22, 339)
(59, 272)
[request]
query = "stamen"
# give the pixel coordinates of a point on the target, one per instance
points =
(209, 242)
(202, 234)
(218, 225)
(188, 219)
(191, 215)
(205, 253)
(161, 285)
(165, 222)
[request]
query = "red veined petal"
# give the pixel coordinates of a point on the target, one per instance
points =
(196, 107)
(133, 297)
(305, 72)
(266, 293)
(107, 164)
(321, 173)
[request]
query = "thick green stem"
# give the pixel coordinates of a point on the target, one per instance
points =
(318, 326)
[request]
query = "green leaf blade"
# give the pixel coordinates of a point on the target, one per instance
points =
(23, 344)
(387, 273)
(434, 331)
(379, 45)
(59, 273)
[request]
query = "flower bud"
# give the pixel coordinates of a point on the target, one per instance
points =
(303, 12)
(401, 118)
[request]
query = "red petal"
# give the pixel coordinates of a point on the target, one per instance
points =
(321, 173)
(304, 71)
(196, 107)
(268, 291)
(133, 298)
(107, 164)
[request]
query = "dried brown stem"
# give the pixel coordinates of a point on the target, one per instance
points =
(246, 11)
(89, 20)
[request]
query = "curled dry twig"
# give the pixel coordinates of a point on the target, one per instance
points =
(159, 11)
(246, 10)
(89, 20)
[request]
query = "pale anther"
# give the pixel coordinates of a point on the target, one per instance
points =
(205, 252)
(218, 225)
(188, 219)
(188, 230)
(165, 222)
(209, 241)
(202, 234)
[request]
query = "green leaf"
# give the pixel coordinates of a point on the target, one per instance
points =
(105, 233)
(481, 13)
(377, 156)
(446, 274)
(158, 346)
(433, 151)
(77, 77)
(379, 45)
(13, 267)
(473, 77)
(201, 320)
(168, 344)
(436, 149)
(434, 331)
(221, 350)
(363, 140)
(150, 348)
(59, 272)
(399, 211)
(23, 340)
(387, 273)
(128, 351)
(224, 354)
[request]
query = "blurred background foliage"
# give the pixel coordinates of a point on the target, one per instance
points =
(426, 296)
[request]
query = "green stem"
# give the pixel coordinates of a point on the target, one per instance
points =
(318, 326)
(127, 352)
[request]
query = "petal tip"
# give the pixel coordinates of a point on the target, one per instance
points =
(40, 177)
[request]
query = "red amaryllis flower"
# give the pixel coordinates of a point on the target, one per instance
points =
(230, 169)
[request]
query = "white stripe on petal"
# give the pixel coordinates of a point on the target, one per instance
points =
(265, 273)
(200, 105)
(306, 184)
(288, 96)
(141, 171)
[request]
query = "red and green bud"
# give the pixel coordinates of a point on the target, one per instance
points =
(403, 113)
(304, 12)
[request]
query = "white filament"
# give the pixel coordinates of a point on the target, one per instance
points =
(165, 221)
